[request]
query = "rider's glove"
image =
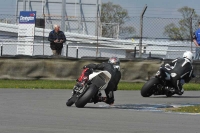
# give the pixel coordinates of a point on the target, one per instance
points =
(84, 67)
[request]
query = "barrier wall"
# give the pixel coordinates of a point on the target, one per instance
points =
(65, 69)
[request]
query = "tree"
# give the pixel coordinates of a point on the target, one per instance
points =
(183, 30)
(113, 18)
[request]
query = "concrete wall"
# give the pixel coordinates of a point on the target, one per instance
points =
(29, 68)
(62, 68)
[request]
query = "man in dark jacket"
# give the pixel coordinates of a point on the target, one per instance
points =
(113, 67)
(181, 70)
(56, 38)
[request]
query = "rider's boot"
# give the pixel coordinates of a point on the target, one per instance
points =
(180, 92)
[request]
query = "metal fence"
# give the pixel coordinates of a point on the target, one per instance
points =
(91, 37)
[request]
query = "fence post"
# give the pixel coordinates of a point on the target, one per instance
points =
(150, 54)
(66, 49)
(97, 27)
(43, 6)
(191, 34)
(1, 48)
(141, 30)
(134, 52)
(77, 52)
(63, 15)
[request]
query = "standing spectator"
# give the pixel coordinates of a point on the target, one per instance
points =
(196, 40)
(56, 38)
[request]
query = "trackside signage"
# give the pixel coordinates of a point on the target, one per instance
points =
(26, 32)
(27, 17)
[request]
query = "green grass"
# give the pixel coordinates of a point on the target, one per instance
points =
(188, 109)
(192, 86)
(68, 84)
(37, 84)
(130, 86)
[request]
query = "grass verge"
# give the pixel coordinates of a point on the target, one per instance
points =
(188, 109)
(68, 84)
(37, 84)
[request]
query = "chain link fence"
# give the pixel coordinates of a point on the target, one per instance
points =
(91, 37)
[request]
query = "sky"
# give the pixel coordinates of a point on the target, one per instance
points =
(155, 8)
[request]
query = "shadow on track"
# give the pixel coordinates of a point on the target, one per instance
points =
(141, 107)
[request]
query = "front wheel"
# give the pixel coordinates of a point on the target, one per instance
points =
(169, 94)
(147, 89)
(87, 96)
(71, 101)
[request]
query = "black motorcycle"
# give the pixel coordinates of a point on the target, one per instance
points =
(159, 85)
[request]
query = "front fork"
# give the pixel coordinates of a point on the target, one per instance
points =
(78, 89)
(163, 88)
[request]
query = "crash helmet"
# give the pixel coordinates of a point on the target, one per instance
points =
(188, 55)
(115, 61)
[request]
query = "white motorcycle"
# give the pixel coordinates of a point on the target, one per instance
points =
(88, 87)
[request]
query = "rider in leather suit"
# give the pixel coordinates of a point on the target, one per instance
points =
(113, 67)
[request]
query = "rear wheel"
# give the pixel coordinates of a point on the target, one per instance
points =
(149, 86)
(87, 96)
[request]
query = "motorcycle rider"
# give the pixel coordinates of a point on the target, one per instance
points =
(181, 71)
(113, 67)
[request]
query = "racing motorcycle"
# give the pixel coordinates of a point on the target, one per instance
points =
(88, 87)
(159, 85)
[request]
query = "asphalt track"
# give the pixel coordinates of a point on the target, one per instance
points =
(44, 111)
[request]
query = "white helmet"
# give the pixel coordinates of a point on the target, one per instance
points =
(188, 55)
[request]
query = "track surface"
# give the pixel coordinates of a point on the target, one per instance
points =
(44, 111)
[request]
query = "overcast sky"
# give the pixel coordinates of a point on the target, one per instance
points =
(156, 8)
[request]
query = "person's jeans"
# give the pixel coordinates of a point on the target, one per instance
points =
(56, 52)
(197, 54)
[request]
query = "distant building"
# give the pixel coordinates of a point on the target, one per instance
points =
(77, 16)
